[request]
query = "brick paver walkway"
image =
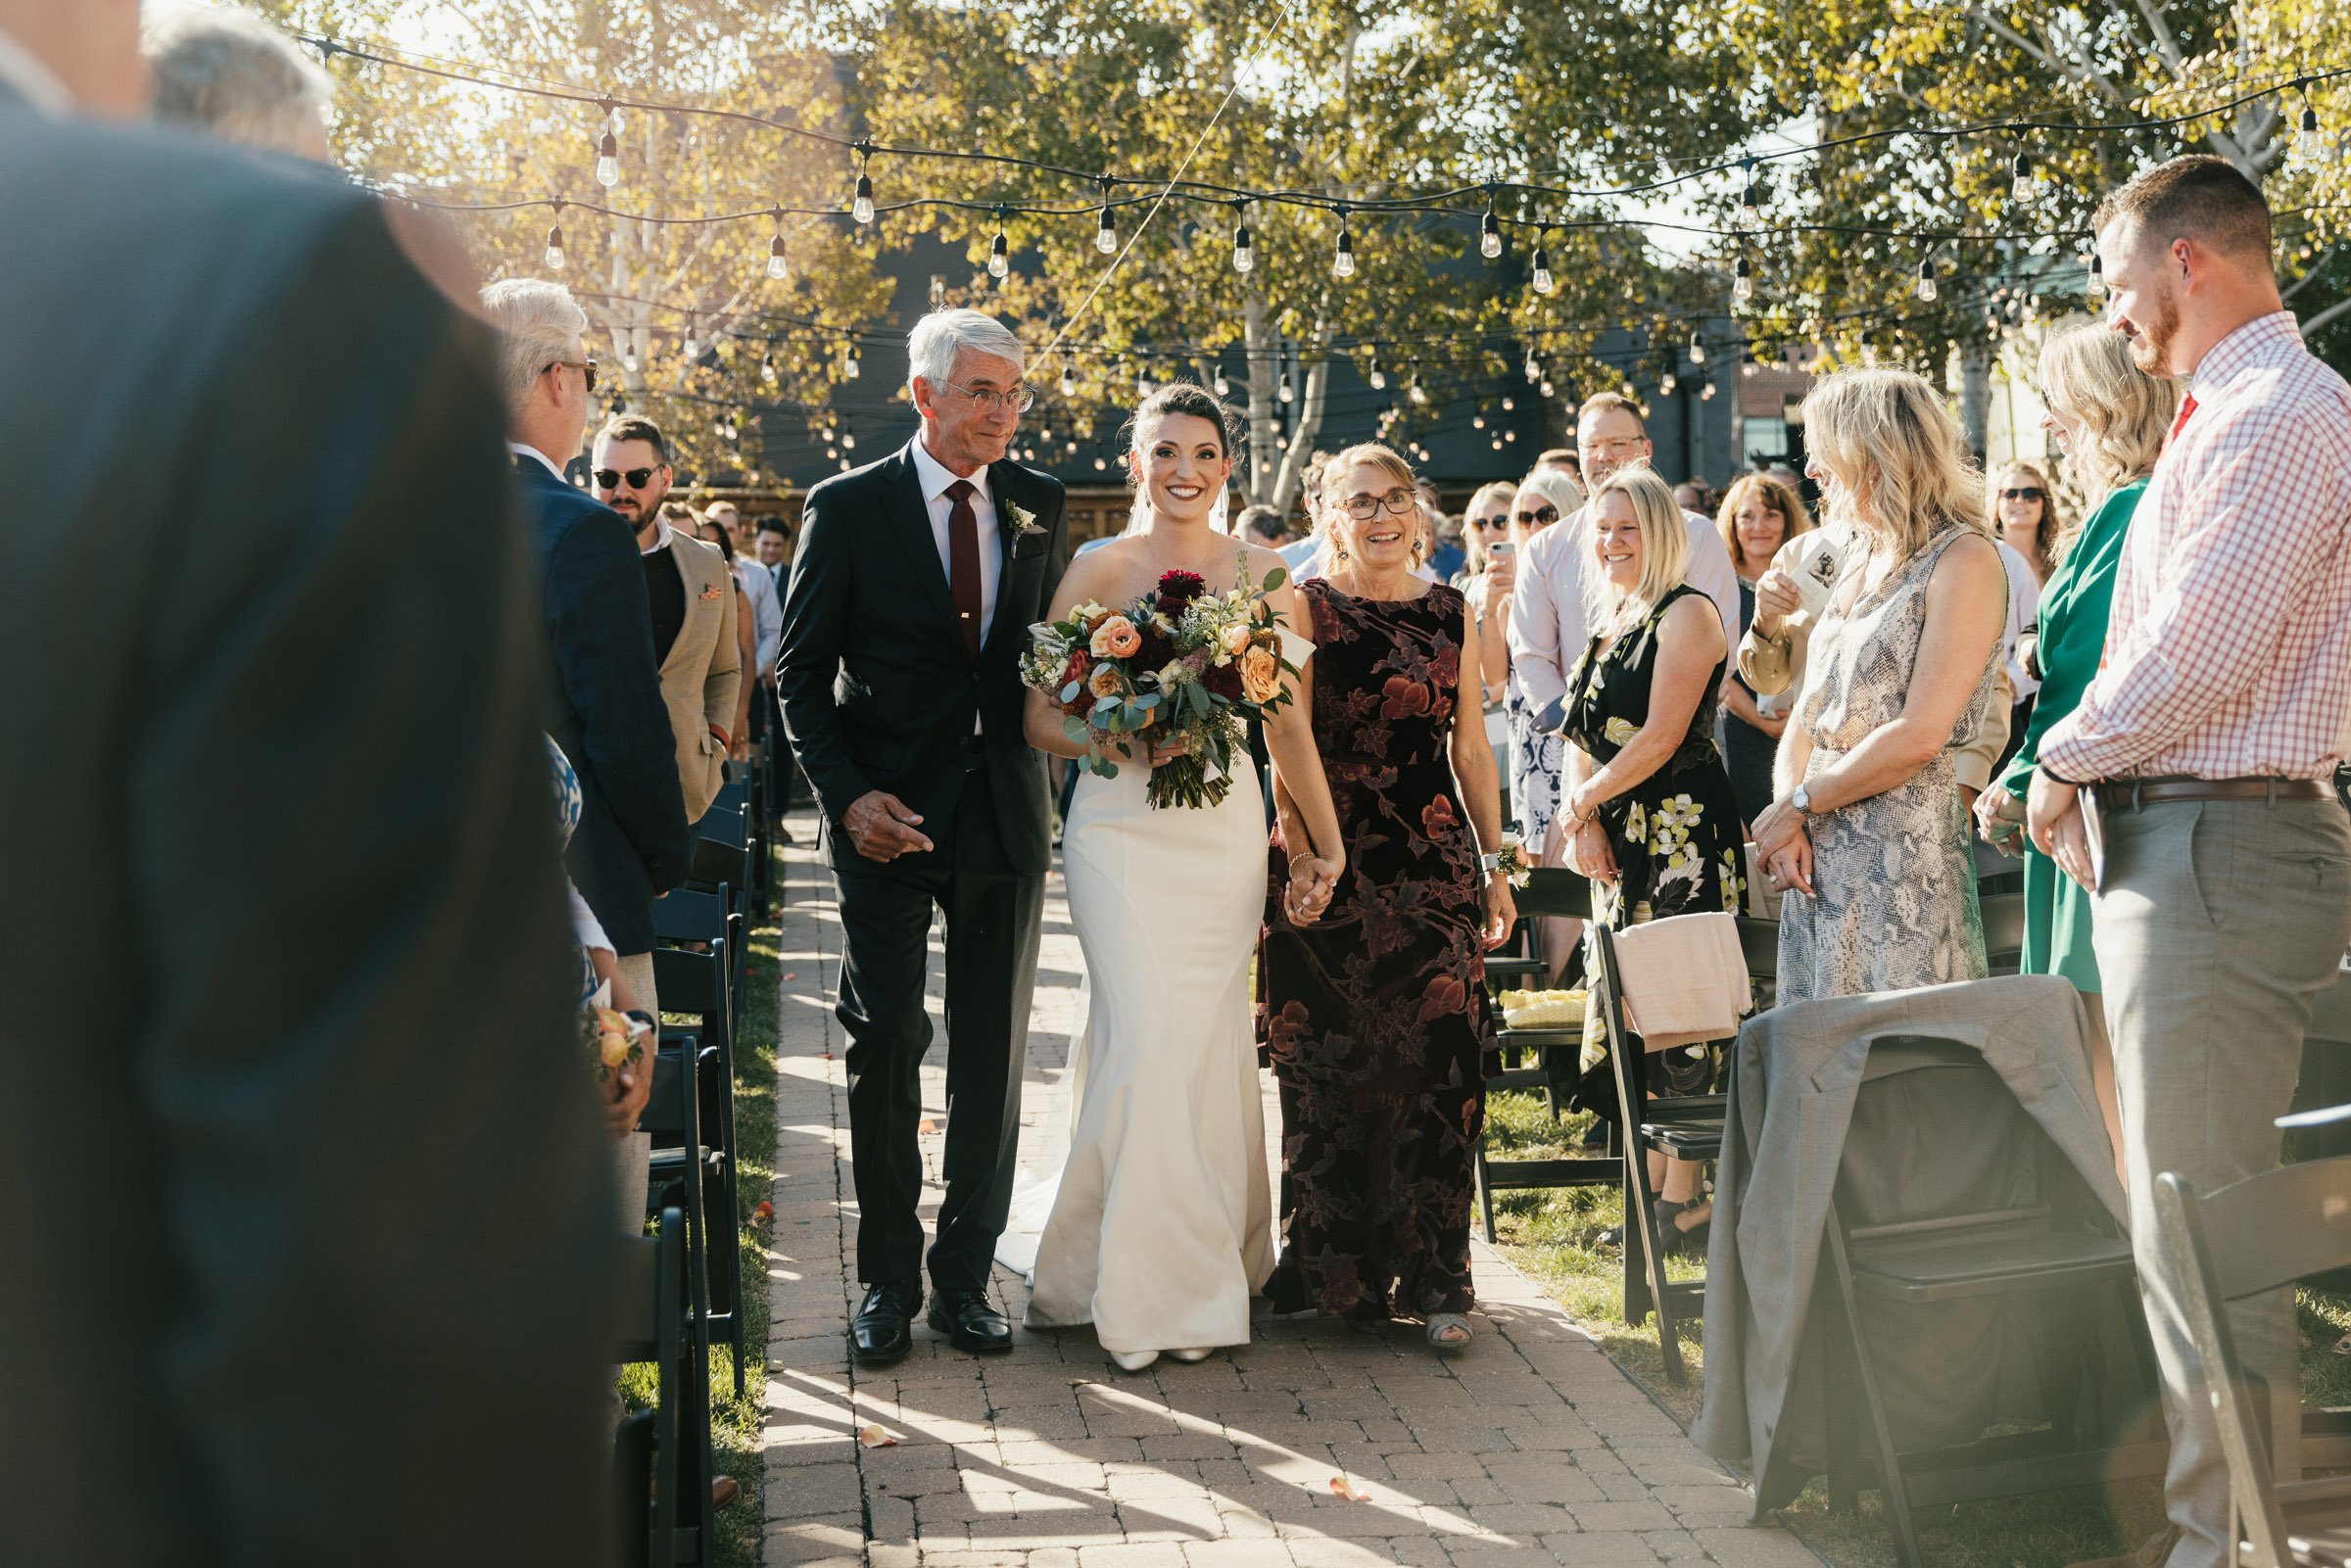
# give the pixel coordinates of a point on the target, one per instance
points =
(1530, 1447)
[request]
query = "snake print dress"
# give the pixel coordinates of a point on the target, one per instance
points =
(1894, 904)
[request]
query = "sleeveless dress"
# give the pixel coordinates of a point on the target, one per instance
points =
(1675, 834)
(1161, 1227)
(1375, 1015)
(1893, 903)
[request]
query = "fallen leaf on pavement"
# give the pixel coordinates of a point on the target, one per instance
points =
(873, 1437)
(1348, 1490)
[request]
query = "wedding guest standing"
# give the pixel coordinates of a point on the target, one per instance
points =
(1543, 499)
(715, 534)
(1648, 814)
(1869, 834)
(274, 820)
(236, 78)
(917, 581)
(2210, 732)
(692, 598)
(2110, 417)
(2029, 516)
(1375, 1014)
(1758, 516)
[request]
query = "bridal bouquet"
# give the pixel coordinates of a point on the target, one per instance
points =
(1178, 661)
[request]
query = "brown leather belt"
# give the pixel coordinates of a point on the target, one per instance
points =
(2125, 794)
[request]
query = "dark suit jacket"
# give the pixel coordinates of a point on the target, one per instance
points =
(631, 842)
(305, 1211)
(877, 685)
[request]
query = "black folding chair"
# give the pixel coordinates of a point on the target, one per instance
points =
(1532, 1059)
(2260, 1234)
(694, 984)
(681, 1167)
(2003, 930)
(662, 1460)
(2043, 1249)
(1685, 1128)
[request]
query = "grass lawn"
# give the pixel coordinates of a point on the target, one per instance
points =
(734, 1424)
(1555, 1236)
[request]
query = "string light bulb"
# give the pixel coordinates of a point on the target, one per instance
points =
(1697, 349)
(852, 367)
(999, 252)
(1342, 259)
(1489, 232)
(1416, 392)
(1378, 378)
(693, 343)
(554, 249)
(607, 160)
(1542, 278)
(2020, 178)
(779, 266)
(1534, 367)
(1069, 381)
(2098, 274)
(1751, 199)
(1106, 227)
(861, 206)
(1667, 384)
(2307, 141)
(1743, 282)
(1244, 249)
(767, 369)
(1286, 391)
(1706, 393)
(1223, 386)
(1927, 290)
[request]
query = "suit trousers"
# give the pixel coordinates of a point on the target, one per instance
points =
(2219, 923)
(993, 917)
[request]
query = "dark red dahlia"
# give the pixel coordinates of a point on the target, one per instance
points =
(1157, 649)
(1179, 589)
(1224, 679)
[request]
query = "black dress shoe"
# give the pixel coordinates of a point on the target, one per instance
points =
(883, 1330)
(970, 1321)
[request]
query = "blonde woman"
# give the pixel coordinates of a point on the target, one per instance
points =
(1758, 516)
(1648, 814)
(1868, 835)
(2109, 417)
(2029, 517)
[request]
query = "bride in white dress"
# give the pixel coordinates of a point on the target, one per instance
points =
(1161, 1228)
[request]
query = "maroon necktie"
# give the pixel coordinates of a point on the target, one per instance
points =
(963, 556)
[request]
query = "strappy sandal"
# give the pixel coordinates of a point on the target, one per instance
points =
(1449, 1331)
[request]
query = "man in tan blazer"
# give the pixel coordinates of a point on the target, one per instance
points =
(692, 595)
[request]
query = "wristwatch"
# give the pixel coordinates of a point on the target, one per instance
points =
(1801, 800)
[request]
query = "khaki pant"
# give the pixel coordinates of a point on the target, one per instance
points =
(2219, 925)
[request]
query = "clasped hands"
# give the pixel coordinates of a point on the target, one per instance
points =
(1784, 846)
(1313, 881)
(2053, 822)
(1583, 842)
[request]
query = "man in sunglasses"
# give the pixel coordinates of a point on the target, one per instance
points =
(689, 591)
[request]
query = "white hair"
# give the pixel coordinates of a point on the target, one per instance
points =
(939, 338)
(230, 73)
(537, 325)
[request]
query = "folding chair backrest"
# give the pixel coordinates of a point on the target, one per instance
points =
(1604, 990)
(2248, 1237)
(2003, 930)
(686, 916)
(692, 982)
(1551, 890)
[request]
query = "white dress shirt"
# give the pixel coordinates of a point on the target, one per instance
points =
(549, 463)
(1550, 624)
(662, 533)
(935, 480)
(32, 78)
(767, 612)
(2024, 599)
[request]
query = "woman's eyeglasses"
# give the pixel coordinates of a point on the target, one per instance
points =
(1397, 502)
(2024, 493)
(1542, 517)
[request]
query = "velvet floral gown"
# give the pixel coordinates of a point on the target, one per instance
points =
(1375, 1015)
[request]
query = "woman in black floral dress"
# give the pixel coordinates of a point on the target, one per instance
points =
(1649, 815)
(1374, 1014)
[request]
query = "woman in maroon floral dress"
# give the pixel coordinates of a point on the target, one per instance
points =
(1375, 1014)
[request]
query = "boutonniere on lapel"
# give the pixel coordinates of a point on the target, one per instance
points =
(712, 592)
(1024, 521)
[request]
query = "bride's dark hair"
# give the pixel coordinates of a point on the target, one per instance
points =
(1183, 398)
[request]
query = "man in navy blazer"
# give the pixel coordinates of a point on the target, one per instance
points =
(633, 843)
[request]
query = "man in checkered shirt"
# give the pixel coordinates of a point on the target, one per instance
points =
(2224, 901)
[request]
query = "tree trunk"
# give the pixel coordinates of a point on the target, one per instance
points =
(1258, 350)
(1975, 392)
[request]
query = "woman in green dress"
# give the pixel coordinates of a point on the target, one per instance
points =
(2110, 418)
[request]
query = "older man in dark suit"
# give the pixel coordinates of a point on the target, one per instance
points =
(911, 599)
(297, 1132)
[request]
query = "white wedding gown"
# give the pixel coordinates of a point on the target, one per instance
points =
(1161, 1227)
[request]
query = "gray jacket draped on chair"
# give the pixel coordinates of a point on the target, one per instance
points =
(1927, 1143)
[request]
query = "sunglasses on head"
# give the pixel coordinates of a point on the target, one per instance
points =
(2024, 493)
(613, 478)
(1542, 517)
